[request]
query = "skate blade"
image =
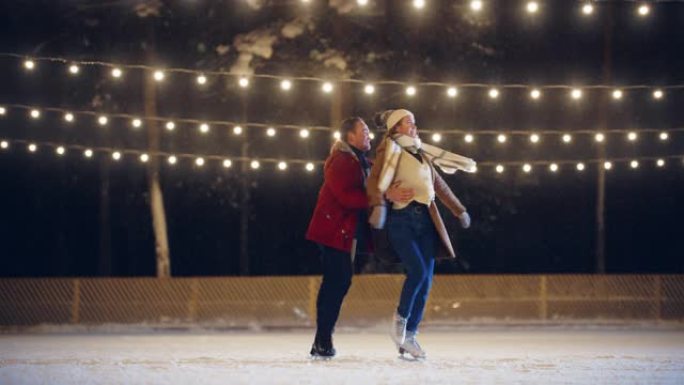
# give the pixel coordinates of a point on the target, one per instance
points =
(320, 358)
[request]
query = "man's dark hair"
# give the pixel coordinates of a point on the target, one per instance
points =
(347, 126)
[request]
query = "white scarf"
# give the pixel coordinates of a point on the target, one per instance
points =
(445, 160)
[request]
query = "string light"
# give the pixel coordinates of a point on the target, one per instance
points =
(170, 126)
(580, 166)
(617, 94)
(29, 65)
(576, 94)
(73, 69)
(285, 85)
(4, 145)
(371, 136)
(644, 10)
(254, 164)
(35, 114)
(436, 137)
(102, 120)
(660, 162)
(199, 162)
(493, 93)
(243, 82)
(500, 168)
(304, 133)
(69, 117)
(117, 73)
(271, 132)
(476, 5)
(535, 94)
(309, 167)
(634, 164)
(237, 130)
(204, 128)
(282, 165)
(116, 155)
(632, 136)
(452, 92)
(327, 87)
(369, 89)
(664, 136)
(469, 138)
(88, 153)
(410, 90)
(553, 167)
(144, 158)
(501, 138)
(527, 168)
(60, 150)
(607, 165)
(227, 163)
(587, 9)
(3, 111)
(32, 147)
(534, 138)
(158, 76)
(201, 80)
(599, 137)
(419, 4)
(658, 94)
(532, 7)
(172, 160)
(136, 123)
(337, 135)
(567, 138)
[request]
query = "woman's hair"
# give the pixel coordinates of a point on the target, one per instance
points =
(347, 126)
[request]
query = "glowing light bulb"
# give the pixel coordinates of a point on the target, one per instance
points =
(599, 137)
(553, 167)
(476, 5)
(587, 9)
(199, 162)
(327, 87)
(634, 164)
(534, 138)
(243, 82)
(535, 94)
(527, 168)
(567, 138)
(204, 128)
(32, 147)
(170, 126)
(102, 120)
(532, 7)
(29, 65)
(144, 158)
(617, 94)
(227, 163)
(369, 89)
(304, 133)
(469, 138)
(607, 165)
(60, 150)
(309, 167)
(493, 93)
(237, 130)
(254, 164)
(88, 153)
(158, 76)
(664, 136)
(580, 166)
(4, 145)
(74, 70)
(501, 138)
(576, 94)
(437, 137)
(632, 136)
(116, 155)
(419, 4)
(337, 135)
(172, 160)
(644, 10)
(500, 168)
(660, 162)
(658, 94)
(410, 90)
(69, 117)
(201, 80)
(282, 165)
(137, 123)
(452, 92)
(117, 73)
(285, 85)
(35, 114)
(271, 132)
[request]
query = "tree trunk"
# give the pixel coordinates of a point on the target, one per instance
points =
(105, 254)
(603, 118)
(161, 241)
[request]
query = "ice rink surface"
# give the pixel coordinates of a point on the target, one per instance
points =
(469, 355)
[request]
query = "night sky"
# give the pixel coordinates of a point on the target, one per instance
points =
(67, 216)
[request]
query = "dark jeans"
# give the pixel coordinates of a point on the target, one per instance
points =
(414, 238)
(337, 277)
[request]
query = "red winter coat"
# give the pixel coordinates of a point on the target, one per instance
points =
(340, 201)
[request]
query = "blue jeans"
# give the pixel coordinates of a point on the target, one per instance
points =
(414, 238)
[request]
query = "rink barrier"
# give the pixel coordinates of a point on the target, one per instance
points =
(245, 302)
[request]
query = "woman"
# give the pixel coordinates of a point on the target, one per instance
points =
(404, 174)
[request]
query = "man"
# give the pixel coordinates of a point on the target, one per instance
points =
(339, 225)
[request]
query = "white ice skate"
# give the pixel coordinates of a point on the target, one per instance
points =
(412, 347)
(398, 330)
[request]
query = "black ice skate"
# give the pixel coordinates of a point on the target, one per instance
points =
(323, 348)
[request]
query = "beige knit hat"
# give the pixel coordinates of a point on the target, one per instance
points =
(396, 116)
